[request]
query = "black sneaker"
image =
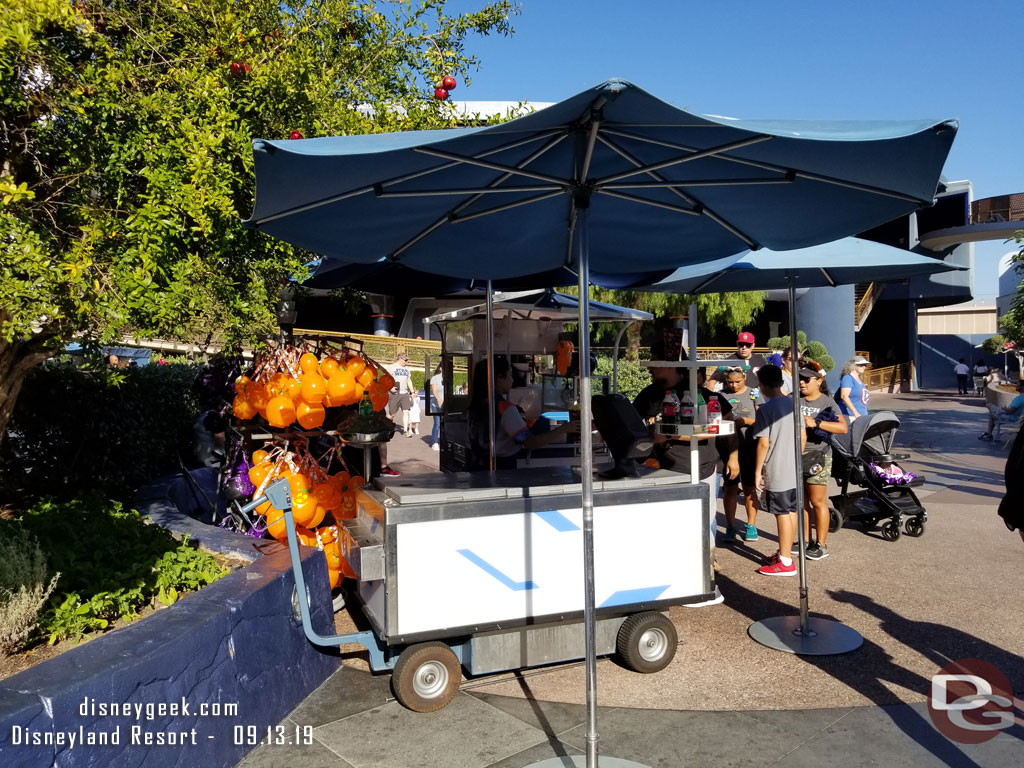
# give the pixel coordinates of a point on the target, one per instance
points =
(816, 551)
(985, 436)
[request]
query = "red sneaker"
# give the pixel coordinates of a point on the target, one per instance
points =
(774, 567)
(389, 472)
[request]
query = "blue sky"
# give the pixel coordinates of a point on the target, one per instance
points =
(789, 59)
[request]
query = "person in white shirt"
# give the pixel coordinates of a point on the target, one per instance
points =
(963, 372)
(400, 399)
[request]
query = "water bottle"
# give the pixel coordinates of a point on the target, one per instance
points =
(670, 408)
(702, 409)
(686, 410)
(365, 405)
(714, 411)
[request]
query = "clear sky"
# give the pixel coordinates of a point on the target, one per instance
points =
(824, 59)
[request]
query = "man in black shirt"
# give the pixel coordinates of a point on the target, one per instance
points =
(746, 358)
(673, 453)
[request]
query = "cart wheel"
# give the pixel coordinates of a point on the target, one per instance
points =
(426, 677)
(647, 642)
(835, 519)
(338, 599)
(891, 531)
(914, 526)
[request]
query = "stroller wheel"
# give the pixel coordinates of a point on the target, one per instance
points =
(835, 519)
(914, 526)
(891, 530)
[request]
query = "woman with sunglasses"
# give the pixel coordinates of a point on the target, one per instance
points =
(822, 418)
(853, 395)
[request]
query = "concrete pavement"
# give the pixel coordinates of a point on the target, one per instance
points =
(919, 603)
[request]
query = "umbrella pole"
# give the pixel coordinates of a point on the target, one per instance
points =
(490, 378)
(790, 633)
(587, 472)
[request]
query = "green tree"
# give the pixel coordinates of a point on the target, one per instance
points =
(125, 151)
(714, 310)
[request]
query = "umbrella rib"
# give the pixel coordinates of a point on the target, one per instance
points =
(471, 191)
(397, 180)
(486, 164)
(697, 183)
(751, 243)
(459, 218)
(714, 151)
(645, 201)
(555, 140)
(811, 176)
(828, 277)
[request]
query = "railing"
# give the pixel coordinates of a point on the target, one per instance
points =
(384, 349)
(865, 304)
(889, 378)
(865, 355)
(998, 208)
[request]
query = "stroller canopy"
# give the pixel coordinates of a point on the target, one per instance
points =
(878, 428)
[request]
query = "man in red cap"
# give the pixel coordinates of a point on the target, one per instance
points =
(745, 361)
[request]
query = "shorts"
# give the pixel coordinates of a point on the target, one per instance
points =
(780, 502)
(748, 459)
(826, 472)
(399, 402)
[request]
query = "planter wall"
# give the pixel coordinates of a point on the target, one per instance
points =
(234, 644)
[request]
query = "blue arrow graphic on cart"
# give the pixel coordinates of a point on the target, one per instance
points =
(557, 520)
(478, 561)
(627, 596)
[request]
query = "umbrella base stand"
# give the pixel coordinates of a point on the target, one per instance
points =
(581, 762)
(824, 638)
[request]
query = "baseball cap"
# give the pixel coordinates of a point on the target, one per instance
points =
(402, 356)
(746, 338)
(858, 360)
(812, 370)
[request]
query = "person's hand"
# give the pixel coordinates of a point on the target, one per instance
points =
(758, 480)
(809, 422)
(732, 468)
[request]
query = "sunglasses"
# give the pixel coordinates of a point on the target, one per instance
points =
(862, 365)
(805, 378)
(734, 368)
(745, 344)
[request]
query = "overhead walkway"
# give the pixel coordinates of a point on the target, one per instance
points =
(992, 218)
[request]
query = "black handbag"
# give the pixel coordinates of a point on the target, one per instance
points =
(813, 461)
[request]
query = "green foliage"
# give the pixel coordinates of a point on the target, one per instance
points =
(994, 344)
(74, 428)
(632, 378)
(127, 150)
(24, 584)
(113, 563)
(812, 350)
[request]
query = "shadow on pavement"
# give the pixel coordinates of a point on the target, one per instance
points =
(868, 669)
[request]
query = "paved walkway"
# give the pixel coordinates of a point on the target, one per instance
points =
(726, 701)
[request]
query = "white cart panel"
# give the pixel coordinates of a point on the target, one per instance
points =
(476, 571)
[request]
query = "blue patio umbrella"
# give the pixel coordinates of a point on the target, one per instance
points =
(612, 179)
(842, 262)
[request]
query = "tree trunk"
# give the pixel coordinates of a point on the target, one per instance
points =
(17, 358)
(633, 341)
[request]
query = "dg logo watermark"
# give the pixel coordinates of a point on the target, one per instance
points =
(971, 701)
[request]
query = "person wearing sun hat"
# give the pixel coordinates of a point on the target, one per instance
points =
(853, 395)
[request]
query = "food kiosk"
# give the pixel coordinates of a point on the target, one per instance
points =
(480, 570)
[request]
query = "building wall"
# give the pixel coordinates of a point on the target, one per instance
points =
(826, 315)
(957, 321)
(938, 353)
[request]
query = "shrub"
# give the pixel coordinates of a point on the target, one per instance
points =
(633, 377)
(74, 429)
(23, 585)
(114, 563)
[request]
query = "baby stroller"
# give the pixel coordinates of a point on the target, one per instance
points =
(863, 458)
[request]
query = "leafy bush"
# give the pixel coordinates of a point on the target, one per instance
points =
(813, 350)
(74, 429)
(113, 563)
(23, 585)
(633, 377)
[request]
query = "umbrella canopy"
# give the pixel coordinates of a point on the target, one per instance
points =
(663, 187)
(842, 262)
(398, 280)
(539, 305)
